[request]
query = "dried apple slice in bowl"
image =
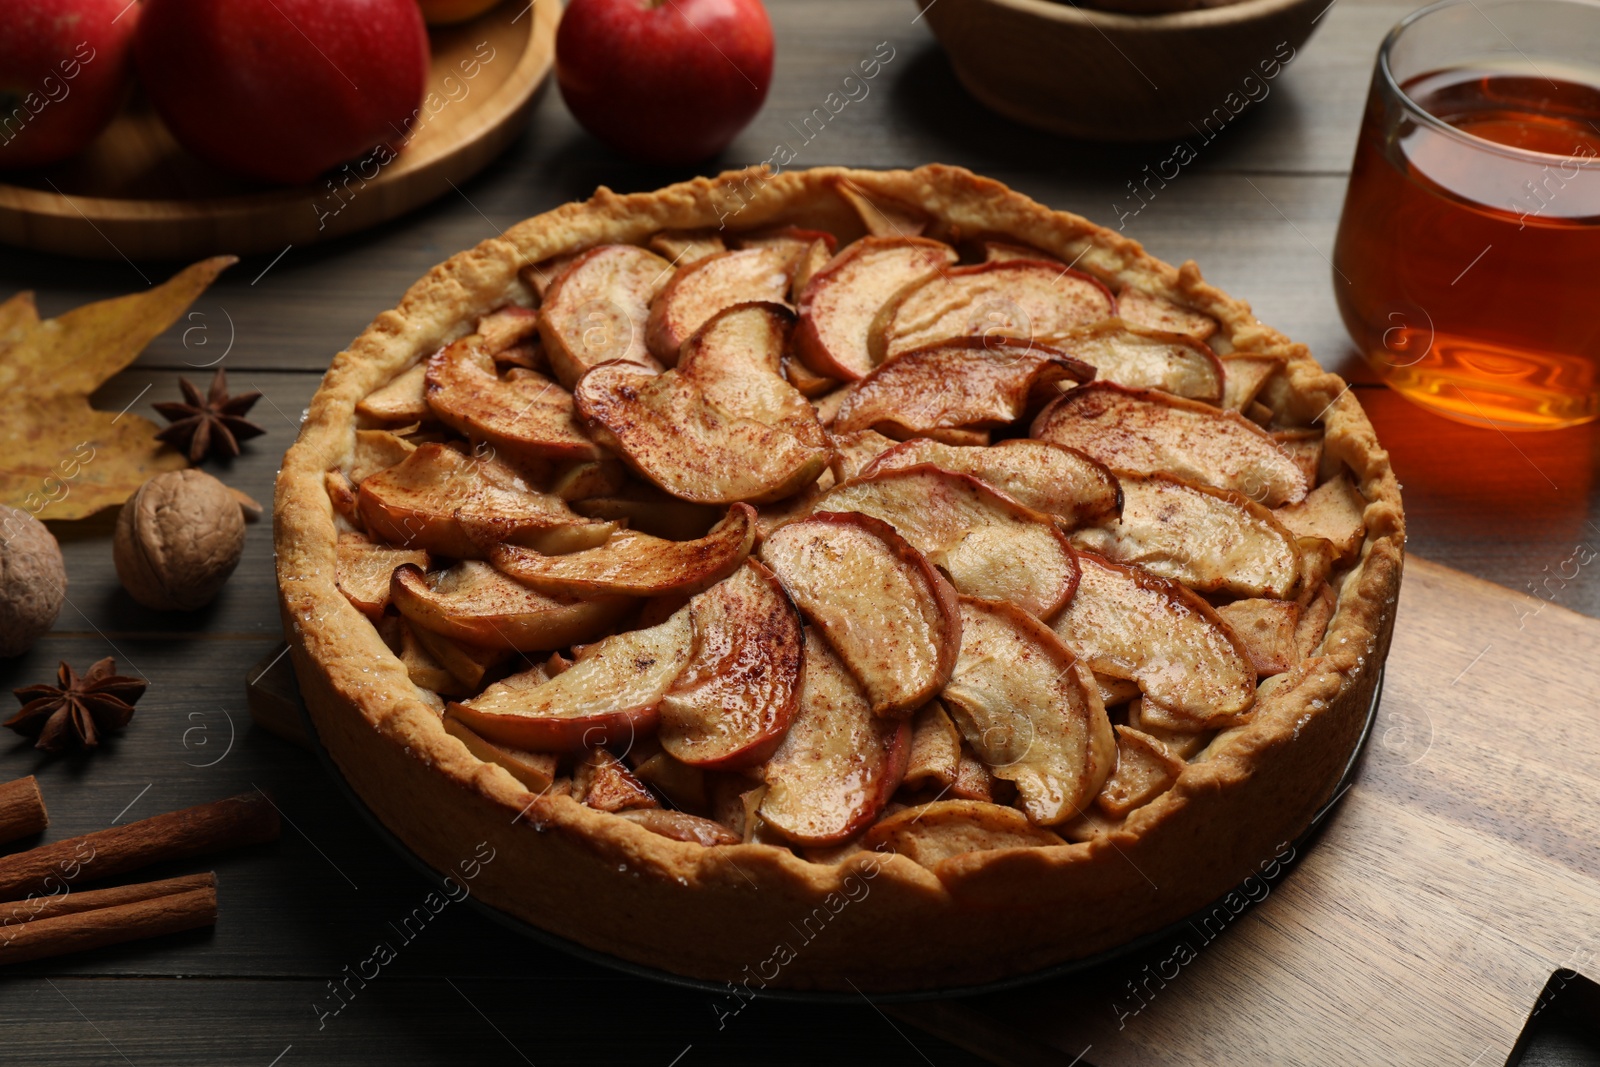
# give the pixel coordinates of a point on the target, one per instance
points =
(839, 763)
(665, 428)
(473, 602)
(609, 696)
(891, 616)
(1211, 540)
(965, 384)
(636, 564)
(447, 501)
(1124, 622)
(736, 697)
(1061, 482)
(842, 300)
(1030, 710)
(1153, 432)
(1021, 298)
(990, 545)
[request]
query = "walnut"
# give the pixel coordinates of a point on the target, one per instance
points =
(33, 581)
(178, 539)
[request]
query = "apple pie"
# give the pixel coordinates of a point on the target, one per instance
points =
(836, 579)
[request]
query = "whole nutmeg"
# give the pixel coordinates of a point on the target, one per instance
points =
(33, 581)
(178, 539)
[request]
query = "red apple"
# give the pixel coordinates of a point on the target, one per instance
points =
(283, 90)
(667, 81)
(64, 66)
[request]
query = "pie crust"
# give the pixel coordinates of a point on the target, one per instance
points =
(759, 916)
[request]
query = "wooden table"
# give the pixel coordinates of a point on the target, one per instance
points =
(1257, 209)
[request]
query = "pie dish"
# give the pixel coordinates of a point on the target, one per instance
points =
(776, 565)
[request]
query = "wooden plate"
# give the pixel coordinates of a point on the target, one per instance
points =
(136, 194)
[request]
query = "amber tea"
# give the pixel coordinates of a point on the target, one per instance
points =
(1467, 266)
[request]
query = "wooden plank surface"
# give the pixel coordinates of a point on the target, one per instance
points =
(295, 913)
(1459, 872)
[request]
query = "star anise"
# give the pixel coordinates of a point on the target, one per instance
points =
(76, 710)
(211, 423)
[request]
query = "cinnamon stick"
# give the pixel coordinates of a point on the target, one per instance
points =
(247, 819)
(16, 913)
(78, 931)
(21, 809)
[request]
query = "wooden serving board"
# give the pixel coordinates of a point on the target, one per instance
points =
(1460, 870)
(135, 194)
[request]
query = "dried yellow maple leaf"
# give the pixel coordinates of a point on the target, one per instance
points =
(62, 458)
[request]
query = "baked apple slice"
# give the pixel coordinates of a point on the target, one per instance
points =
(1334, 511)
(929, 834)
(374, 451)
(853, 452)
(1030, 710)
(526, 417)
(1303, 447)
(736, 360)
(890, 615)
(586, 479)
(1141, 358)
(1212, 540)
(428, 671)
(1020, 298)
(734, 701)
(542, 275)
(1152, 432)
(839, 305)
(400, 402)
(597, 309)
(681, 826)
(603, 782)
(970, 383)
(1145, 770)
(610, 695)
(505, 327)
(1184, 744)
(996, 251)
(1266, 628)
(473, 602)
(839, 763)
(882, 216)
(1159, 313)
(1243, 378)
(1127, 623)
(1061, 482)
(635, 564)
(647, 509)
(535, 770)
(935, 754)
(664, 428)
(683, 248)
(448, 502)
(802, 249)
(990, 545)
(363, 567)
(698, 292)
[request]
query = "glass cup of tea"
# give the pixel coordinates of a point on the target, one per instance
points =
(1467, 265)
